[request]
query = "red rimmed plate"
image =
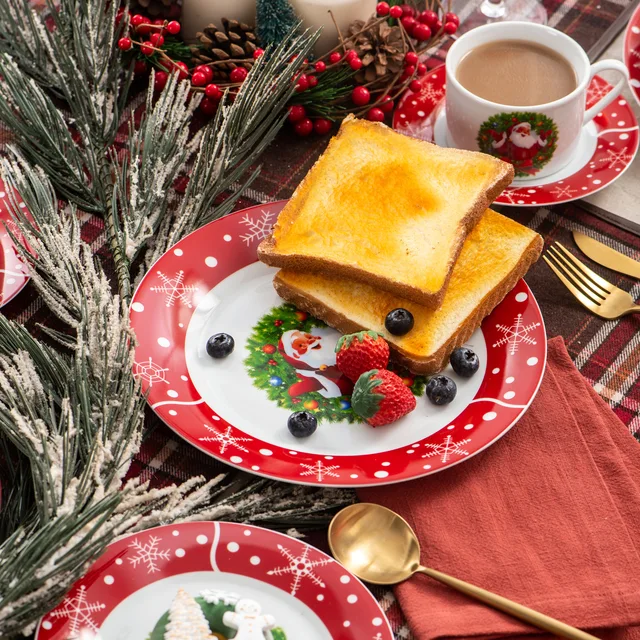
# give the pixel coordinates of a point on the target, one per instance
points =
(236, 409)
(631, 52)
(606, 149)
(237, 567)
(12, 272)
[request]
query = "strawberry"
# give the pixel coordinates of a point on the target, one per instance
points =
(360, 352)
(380, 397)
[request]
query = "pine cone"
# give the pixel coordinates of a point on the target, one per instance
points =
(154, 8)
(236, 41)
(380, 48)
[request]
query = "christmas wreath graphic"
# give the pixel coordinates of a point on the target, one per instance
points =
(525, 139)
(292, 358)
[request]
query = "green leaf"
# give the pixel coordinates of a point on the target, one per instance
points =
(364, 400)
(346, 340)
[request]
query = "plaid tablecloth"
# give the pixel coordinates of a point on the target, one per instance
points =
(606, 352)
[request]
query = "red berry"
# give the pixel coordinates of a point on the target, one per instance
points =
(386, 104)
(159, 22)
(208, 72)
(407, 10)
(238, 74)
(320, 66)
(160, 80)
(422, 69)
(272, 362)
(173, 27)
(146, 48)
(395, 12)
(450, 27)
(375, 115)
(137, 20)
(409, 70)
(313, 81)
(437, 26)
(257, 53)
(409, 22)
(421, 32)
(382, 9)
(296, 113)
(119, 15)
(380, 397)
(302, 83)
(415, 86)
(322, 126)
(411, 57)
(335, 57)
(156, 39)
(124, 44)
(452, 17)
(269, 348)
(304, 127)
(360, 96)
(181, 69)
(198, 79)
(428, 17)
(350, 55)
(213, 91)
(208, 106)
(355, 63)
(144, 28)
(140, 67)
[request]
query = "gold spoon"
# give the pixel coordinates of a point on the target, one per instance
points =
(379, 546)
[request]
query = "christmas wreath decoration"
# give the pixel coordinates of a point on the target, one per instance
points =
(273, 370)
(526, 139)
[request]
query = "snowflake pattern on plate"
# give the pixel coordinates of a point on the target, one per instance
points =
(616, 157)
(78, 611)
(150, 371)
(319, 470)
(516, 334)
(175, 289)
(226, 439)
(148, 554)
(447, 448)
(258, 228)
(300, 567)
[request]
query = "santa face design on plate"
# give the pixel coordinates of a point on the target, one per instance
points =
(313, 356)
(526, 140)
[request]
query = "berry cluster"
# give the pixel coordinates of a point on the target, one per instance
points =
(420, 25)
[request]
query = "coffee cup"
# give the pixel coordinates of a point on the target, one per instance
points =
(540, 139)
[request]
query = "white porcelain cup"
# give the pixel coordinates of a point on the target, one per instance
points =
(538, 140)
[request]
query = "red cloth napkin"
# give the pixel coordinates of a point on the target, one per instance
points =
(549, 516)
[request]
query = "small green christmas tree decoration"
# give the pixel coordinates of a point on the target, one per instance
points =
(274, 20)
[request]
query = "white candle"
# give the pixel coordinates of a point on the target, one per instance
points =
(315, 14)
(198, 14)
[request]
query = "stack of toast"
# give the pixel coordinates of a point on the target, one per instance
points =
(383, 221)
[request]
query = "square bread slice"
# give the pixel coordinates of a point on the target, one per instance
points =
(386, 209)
(497, 253)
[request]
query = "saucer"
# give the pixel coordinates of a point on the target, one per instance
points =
(607, 146)
(631, 52)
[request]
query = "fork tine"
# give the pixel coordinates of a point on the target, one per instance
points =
(604, 284)
(577, 283)
(578, 276)
(586, 301)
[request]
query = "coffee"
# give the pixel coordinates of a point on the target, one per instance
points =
(517, 73)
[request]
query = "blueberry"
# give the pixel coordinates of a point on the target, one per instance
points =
(398, 322)
(464, 362)
(220, 345)
(302, 424)
(441, 390)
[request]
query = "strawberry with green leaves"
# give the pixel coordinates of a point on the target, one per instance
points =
(360, 352)
(380, 397)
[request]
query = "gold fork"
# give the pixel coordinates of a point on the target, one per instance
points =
(597, 294)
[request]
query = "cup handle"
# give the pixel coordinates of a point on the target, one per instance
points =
(606, 65)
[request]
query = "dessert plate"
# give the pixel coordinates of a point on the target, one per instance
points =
(12, 273)
(236, 409)
(606, 149)
(631, 52)
(219, 576)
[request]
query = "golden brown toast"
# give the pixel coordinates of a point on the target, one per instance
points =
(385, 209)
(497, 253)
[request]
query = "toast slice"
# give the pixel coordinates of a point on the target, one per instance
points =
(497, 253)
(386, 209)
